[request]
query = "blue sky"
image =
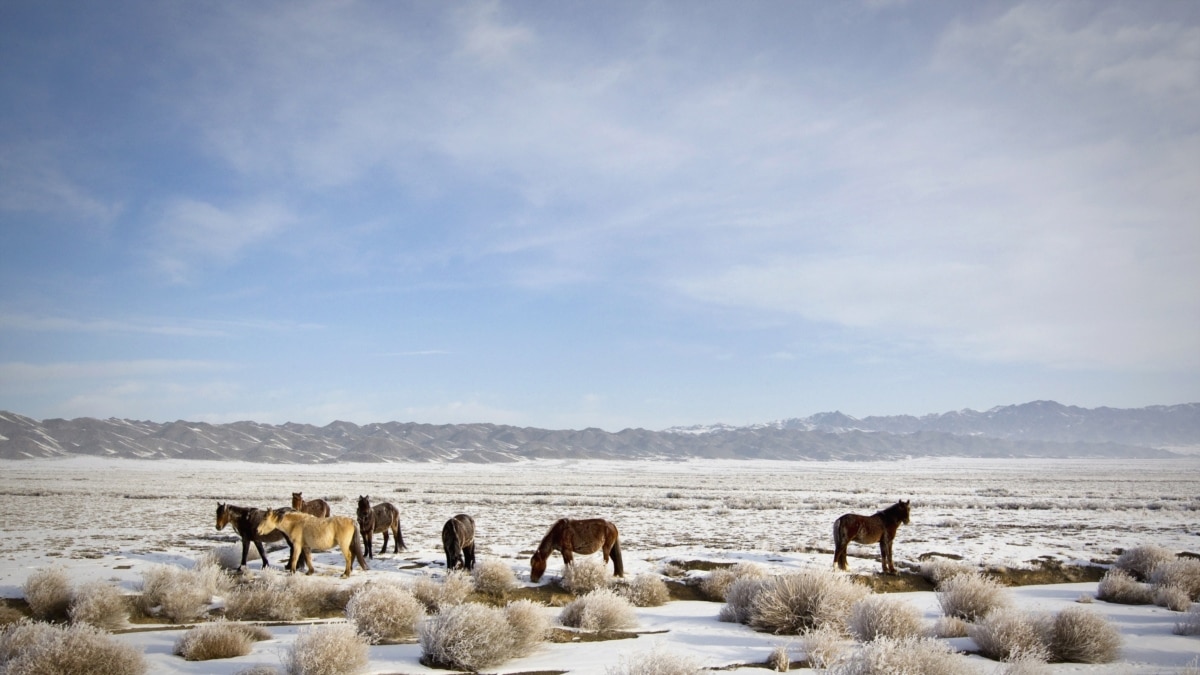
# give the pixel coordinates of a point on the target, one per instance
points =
(579, 214)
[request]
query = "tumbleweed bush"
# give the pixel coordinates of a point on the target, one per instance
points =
(384, 611)
(493, 577)
(915, 656)
(101, 604)
(77, 649)
(1121, 587)
(1004, 634)
(645, 590)
(219, 640)
(602, 609)
(585, 575)
(467, 636)
(1080, 635)
(1140, 561)
(971, 596)
(331, 649)
(881, 616)
(791, 604)
(655, 661)
(48, 593)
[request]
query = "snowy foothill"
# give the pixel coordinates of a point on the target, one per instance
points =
(112, 520)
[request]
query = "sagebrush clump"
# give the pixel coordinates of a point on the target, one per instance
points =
(264, 597)
(791, 604)
(717, 582)
(467, 636)
(39, 648)
(384, 611)
(656, 661)
(180, 594)
(1008, 633)
(454, 589)
(529, 625)
(332, 649)
(971, 596)
(938, 570)
(880, 616)
(585, 575)
(48, 592)
(219, 640)
(645, 590)
(101, 604)
(1189, 622)
(599, 610)
(1183, 574)
(493, 577)
(888, 656)
(1080, 635)
(1121, 587)
(1140, 561)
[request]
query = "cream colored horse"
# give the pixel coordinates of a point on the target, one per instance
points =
(309, 532)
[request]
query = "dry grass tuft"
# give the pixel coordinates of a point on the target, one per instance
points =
(888, 656)
(717, 582)
(881, 616)
(493, 577)
(332, 649)
(1121, 587)
(971, 597)
(585, 575)
(949, 627)
(48, 592)
(384, 611)
(779, 660)
(655, 661)
(1189, 623)
(219, 640)
(599, 610)
(645, 590)
(796, 603)
(1080, 635)
(44, 649)
(100, 604)
(938, 570)
(1006, 634)
(823, 647)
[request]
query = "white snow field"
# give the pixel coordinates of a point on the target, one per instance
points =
(112, 519)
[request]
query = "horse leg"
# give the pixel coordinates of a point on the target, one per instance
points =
(262, 552)
(885, 554)
(246, 552)
(468, 555)
(356, 548)
(307, 560)
(395, 537)
(383, 549)
(618, 564)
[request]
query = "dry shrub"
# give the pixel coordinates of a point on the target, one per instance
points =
(453, 590)
(1189, 623)
(1006, 634)
(467, 636)
(950, 627)
(1140, 561)
(100, 604)
(887, 656)
(971, 596)
(645, 590)
(180, 594)
(1119, 586)
(493, 577)
(44, 649)
(880, 616)
(823, 647)
(779, 660)
(331, 649)
(655, 661)
(739, 600)
(9, 615)
(529, 625)
(1080, 635)
(219, 640)
(258, 670)
(1183, 573)
(585, 575)
(48, 592)
(602, 609)
(938, 570)
(1025, 665)
(1172, 597)
(266, 597)
(791, 604)
(717, 582)
(319, 596)
(384, 611)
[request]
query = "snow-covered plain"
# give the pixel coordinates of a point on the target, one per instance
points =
(110, 519)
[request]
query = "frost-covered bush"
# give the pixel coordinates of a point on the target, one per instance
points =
(454, 589)
(48, 592)
(656, 661)
(779, 660)
(384, 611)
(1189, 623)
(887, 656)
(9, 615)
(717, 582)
(331, 649)
(602, 609)
(949, 627)
(1140, 561)
(100, 604)
(181, 594)
(466, 636)
(319, 596)
(1173, 598)
(739, 599)
(1080, 635)
(1119, 586)
(971, 597)
(938, 570)
(529, 625)
(1183, 573)
(265, 597)
(585, 575)
(823, 647)
(1008, 633)
(791, 604)
(219, 640)
(645, 590)
(880, 616)
(493, 577)
(80, 649)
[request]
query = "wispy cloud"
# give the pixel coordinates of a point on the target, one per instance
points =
(192, 233)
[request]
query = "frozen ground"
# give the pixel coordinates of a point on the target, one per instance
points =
(109, 519)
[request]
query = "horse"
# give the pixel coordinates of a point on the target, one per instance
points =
(879, 527)
(383, 518)
(458, 541)
(316, 507)
(245, 522)
(309, 532)
(584, 537)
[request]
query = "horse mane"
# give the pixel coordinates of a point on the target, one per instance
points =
(894, 514)
(551, 537)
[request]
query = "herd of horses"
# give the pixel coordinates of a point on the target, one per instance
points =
(308, 525)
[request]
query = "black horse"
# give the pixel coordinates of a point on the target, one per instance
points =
(458, 541)
(245, 522)
(383, 518)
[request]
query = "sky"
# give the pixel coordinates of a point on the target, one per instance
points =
(568, 214)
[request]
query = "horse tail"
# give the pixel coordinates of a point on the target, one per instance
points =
(399, 535)
(839, 544)
(356, 547)
(615, 554)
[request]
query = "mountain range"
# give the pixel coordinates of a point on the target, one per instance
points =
(1037, 429)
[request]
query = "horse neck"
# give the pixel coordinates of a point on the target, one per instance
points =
(892, 516)
(552, 538)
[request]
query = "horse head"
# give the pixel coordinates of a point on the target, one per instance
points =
(537, 566)
(364, 504)
(222, 516)
(903, 510)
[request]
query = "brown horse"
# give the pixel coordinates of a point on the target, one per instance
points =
(458, 541)
(309, 532)
(316, 507)
(584, 537)
(383, 518)
(880, 527)
(245, 521)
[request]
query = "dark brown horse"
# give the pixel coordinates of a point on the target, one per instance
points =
(584, 537)
(458, 541)
(245, 521)
(879, 527)
(316, 507)
(383, 518)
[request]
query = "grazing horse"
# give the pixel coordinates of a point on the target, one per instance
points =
(880, 527)
(458, 541)
(309, 532)
(584, 537)
(383, 518)
(316, 507)
(245, 522)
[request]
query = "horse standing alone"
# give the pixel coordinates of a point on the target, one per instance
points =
(383, 518)
(584, 537)
(245, 521)
(316, 507)
(309, 532)
(458, 541)
(879, 527)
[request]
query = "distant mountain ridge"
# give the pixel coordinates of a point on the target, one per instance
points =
(1038, 429)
